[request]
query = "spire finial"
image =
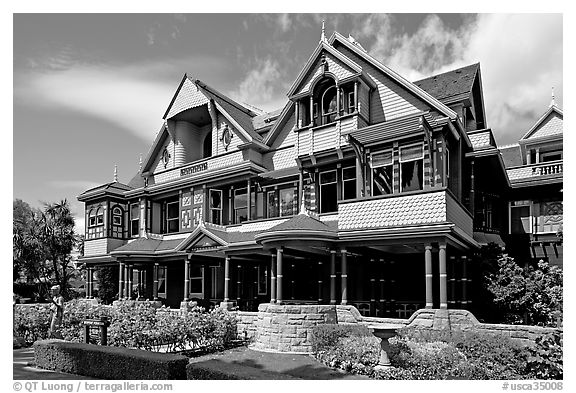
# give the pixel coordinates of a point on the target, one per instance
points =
(140, 164)
(323, 36)
(553, 102)
(115, 173)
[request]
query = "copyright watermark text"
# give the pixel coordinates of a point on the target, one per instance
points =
(84, 386)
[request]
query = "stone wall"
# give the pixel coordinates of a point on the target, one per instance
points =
(288, 328)
(246, 323)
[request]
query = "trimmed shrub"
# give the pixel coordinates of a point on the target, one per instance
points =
(108, 362)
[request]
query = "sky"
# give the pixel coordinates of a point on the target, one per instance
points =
(90, 90)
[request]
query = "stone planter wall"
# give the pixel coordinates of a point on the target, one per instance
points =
(288, 328)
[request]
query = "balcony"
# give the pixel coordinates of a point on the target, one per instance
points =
(324, 137)
(417, 212)
(544, 173)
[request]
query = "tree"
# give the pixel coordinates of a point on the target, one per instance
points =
(532, 295)
(108, 284)
(42, 243)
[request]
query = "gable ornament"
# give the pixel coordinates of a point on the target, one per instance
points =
(226, 137)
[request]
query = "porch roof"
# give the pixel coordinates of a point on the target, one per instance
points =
(149, 245)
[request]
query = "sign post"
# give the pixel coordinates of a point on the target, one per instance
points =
(101, 324)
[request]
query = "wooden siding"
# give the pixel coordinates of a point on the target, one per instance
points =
(101, 246)
(303, 143)
(335, 67)
(364, 101)
(456, 214)
(286, 137)
(158, 165)
(324, 138)
(390, 100)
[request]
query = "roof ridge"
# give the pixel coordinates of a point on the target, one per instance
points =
(224, 97)
(447, 72)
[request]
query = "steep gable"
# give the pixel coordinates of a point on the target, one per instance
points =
(187, 96)
(550, 124)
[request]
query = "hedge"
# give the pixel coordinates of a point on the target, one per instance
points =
(217, 370)
(108, 362)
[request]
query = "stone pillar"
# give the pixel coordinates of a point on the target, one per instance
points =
(273, 279)
(155, 286)
(442, 273)
(344, 277)
(332, 276)
(428, 268)
(186, 279)
(120, 281)
(226, 279)
(320, 299)
(279, 256)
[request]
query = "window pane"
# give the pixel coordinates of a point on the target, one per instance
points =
(135, 211)
(328, 198)
(241, 214)
(215, 199)
(287, 201)
(349, 183)
(216, 217)
(117, 220)
(382, 158)
(412, 175)
(173, 225)
(172, 210)
(382, 183)
(134, 227)
(411, 152)
(272, 204)
(240, 198)
(328, 177)
(260, 205)
(520, 219)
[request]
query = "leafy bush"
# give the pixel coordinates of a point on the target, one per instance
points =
(528, 295)
(134, 325)
(545, 359)
(349, 347)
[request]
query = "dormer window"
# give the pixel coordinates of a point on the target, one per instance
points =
(329, 106)
(327, 103)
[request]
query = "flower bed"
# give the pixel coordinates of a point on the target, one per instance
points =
(134, 325)
(432, 354)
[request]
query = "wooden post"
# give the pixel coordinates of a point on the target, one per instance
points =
(273, 279)
(452, 280)
(186, 279)
(227, 279)
(279, 253)
(249, 197)
(428, 269)
(344, 277)
(320, 282)
(332, 276)
(121, 281)
(442, 273)
(312, 112)
(155, 286)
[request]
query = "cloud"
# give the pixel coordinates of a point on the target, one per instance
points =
(520, 56)
(75, 184)
(260, 86)
(130, 96)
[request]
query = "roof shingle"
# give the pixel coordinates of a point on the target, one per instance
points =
(450, 85)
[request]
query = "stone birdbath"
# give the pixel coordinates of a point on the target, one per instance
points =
(384, 332)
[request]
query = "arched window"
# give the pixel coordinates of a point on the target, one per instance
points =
(329, 105)
(92, 218)
(207, 147)
(117, 216)
(100, 216)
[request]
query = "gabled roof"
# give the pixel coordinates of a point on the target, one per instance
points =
(187, 96)
(114, 188)
(145, 245)
(322, 46)
(215, 235)
(451, 86)
(542, 128)
(435, 103)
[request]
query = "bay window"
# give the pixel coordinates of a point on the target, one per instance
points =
(134, 219)
(172, 213)
(215, 206)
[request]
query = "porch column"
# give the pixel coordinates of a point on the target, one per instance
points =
(465, 280)
(238, 284)
(292, 269)
(186, 279)
(472, 187)
(373, 271)
(273, 279)
(120, 280)
(428, 268)
(332, 276)
(249, 196)
(126, 283)
(344, 277)
(356, 102)
(312, 110)
(338, 97)
(320, 282)
(452, 280)
(129, 284)
(392, 283)
(155, 286)
(279, 255)
(140, 282)
(442, 271)
(226, 279)
(382, 286)
(88, 283)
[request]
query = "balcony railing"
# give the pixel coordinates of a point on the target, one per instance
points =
(529, 172)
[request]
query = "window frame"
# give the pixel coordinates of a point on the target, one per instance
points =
(202, 277)
(343, 183)
(400, 162)
(285, 187)
(212, 209)
(115, 215)
(374, 166)
(99, 216)
(132, 220)
(91, 218)
(168, 220)
(320, 185)
(520, 204)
